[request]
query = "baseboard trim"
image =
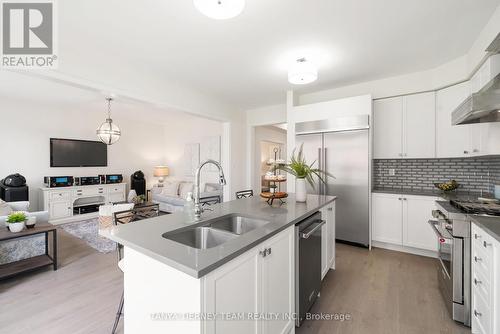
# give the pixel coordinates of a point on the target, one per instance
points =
(405, 249)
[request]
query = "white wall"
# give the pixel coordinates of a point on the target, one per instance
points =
(265, 133)
(27, 127)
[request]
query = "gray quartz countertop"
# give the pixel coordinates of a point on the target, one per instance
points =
(146, 236)
(491, 225)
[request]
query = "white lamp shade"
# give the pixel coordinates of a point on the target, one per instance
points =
(109, 133)
(220, 9)
(302, 72)
(161, 171)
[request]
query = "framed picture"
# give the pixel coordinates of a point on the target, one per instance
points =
(211, 149)
(191, 158)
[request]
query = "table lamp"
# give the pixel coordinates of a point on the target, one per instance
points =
(160, 172)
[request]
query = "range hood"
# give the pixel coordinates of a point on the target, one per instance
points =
(483, 106)
(480, 107)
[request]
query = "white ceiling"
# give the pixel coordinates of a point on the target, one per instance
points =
(243, 61)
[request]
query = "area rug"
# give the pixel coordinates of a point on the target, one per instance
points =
(88, 231)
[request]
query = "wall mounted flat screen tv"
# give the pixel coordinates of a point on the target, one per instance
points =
(77, 153)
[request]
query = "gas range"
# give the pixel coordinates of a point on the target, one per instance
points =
(483, 207)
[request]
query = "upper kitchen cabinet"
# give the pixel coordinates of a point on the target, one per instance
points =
(388, 128)
(452, 140)
(404, 127)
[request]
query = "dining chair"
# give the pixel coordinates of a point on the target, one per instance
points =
(244, 194)
(209, 200)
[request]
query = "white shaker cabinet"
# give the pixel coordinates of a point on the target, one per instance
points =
(452, 141)
(402, 220)
(404, 127)
(387, 212)
(485, 282)
(388, 128)
(328, 239)
(259, 281)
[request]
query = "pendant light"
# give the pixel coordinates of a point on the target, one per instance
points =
(302, 72)
(220, 9)
(109, 133)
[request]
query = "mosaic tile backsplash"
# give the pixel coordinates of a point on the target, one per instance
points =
(473, 174)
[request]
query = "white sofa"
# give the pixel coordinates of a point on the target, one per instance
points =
(41, 216)
(25, 247)
(172, 196)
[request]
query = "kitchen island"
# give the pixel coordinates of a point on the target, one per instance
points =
(232, 271)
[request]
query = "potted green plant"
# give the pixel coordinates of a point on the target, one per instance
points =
(303, 172)
(16, 221)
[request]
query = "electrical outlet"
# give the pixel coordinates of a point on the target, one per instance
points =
(392, 172)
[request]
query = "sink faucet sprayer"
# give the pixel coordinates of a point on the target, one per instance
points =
(198, 209)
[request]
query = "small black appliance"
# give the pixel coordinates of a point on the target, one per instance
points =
(138, 183)
(14, 189)
(90, 180)
(58, 181)
(114, 178)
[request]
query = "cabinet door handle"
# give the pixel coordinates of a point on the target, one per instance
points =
(477, 236)
(466, 152)
(477, 314)
(486, 244)
(475, 150)
(263, 253)
(330, 209)
(400, 154)
(269, 251)
(404, 198)
(477, 259)
(476, 281)
(400, 199)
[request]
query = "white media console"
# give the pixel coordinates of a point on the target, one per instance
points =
(66, 204)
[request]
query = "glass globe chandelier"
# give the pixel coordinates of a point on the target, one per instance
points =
(220, 9)
(109, 133)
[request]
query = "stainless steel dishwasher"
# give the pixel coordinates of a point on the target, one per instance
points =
(307, 264)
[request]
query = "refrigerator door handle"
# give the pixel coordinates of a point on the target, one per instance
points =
(325, 185)
(320, 186)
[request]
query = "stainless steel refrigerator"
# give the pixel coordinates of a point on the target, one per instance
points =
(341, 147)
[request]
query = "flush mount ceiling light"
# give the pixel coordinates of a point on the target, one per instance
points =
(220, 9)
(302, 72)
(109, 133)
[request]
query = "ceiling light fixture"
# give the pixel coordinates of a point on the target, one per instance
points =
(109, 133)
(302, 72)
(220, 9)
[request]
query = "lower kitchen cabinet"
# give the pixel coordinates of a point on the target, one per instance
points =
(485, 282)
(328, 239)
(402, 220)
(260, 281)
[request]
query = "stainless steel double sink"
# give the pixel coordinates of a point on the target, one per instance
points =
(216, 231)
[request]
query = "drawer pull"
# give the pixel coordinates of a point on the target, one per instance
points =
(477, 259)
(477, 314)
(477, 236)
(486, 244)
(476, 281)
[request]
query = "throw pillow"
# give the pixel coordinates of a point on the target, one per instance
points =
(5, 209)
(185, 188)
(170, 189)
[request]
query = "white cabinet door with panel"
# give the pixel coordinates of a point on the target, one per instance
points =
(387, 128)
(417, 233)
(60, 209)
(258, 282)
(452, 140)
(278, 279)
(419, 126)
(386, 218)
(328, 239)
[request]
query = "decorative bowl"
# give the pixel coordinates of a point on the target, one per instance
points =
(447, 186)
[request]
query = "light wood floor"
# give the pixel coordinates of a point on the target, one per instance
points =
(384, 292)
(80, 297)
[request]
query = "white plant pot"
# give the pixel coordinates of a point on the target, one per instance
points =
(16, 227)
(300, 190)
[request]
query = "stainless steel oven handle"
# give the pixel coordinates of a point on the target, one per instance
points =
(306, 235)
(433, 224)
